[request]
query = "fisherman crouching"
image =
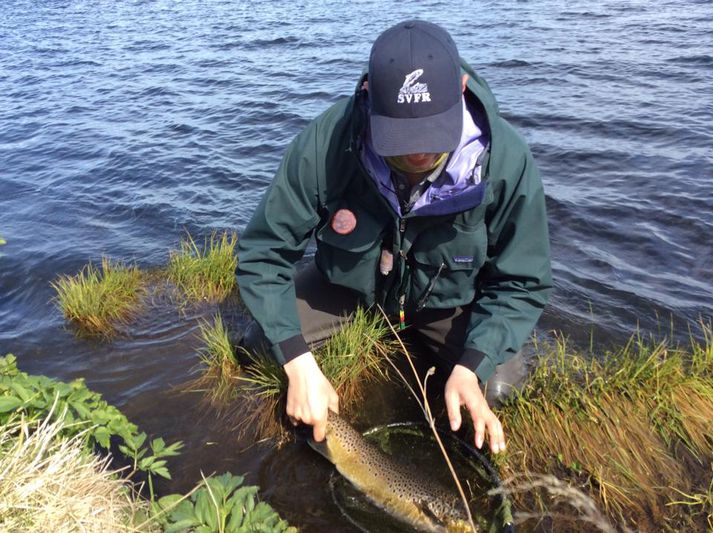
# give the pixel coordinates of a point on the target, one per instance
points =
(422, 199)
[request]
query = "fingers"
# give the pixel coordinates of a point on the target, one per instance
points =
(453, 407)
(497, 436)
(333, 401)
(484, 420)
(320, 428)
(309, 394)
(479, 425)
(320, 420)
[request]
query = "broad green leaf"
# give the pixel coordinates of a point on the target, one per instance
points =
(173, 449)
(231, 482)
(236, 519)
(102, 436)
(203, 506)
(81, 410)
(9, 403)
(183, 525)
(216, 488)
(183, 511)
(157, 445)
(162, 471)
(21, 391)
(169, 500)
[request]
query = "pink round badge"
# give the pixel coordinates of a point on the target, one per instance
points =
(343, 222)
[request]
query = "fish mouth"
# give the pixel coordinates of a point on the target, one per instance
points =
(303, 432)
(321, 448)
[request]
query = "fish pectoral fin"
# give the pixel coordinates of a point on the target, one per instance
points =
(425, 507)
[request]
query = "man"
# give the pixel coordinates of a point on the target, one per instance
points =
(421, 199)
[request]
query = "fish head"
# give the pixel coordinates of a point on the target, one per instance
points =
(321, 448)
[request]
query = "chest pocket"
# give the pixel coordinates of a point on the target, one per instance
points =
(445, 262)
(352, 260)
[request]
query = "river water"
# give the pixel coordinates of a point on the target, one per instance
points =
(125, 124)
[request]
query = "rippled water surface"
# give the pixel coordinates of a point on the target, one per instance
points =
(124, 124)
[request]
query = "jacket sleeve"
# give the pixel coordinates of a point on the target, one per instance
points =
(274, 240)
(516, 281)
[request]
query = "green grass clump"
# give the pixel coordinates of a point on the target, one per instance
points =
(100, 300)
(52, 478)
(82, 412)
(221, 371)
(355, 355)
(634, 428)
(204, 273)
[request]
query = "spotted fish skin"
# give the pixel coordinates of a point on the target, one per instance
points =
(399, 490)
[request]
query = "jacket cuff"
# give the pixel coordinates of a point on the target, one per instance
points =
(479, 362)
(285, 351)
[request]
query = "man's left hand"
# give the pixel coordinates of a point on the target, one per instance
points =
(462, 389)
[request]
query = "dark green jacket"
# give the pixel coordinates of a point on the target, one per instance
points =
(492, 252)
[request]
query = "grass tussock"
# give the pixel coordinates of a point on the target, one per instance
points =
(207, 272)
(221, 371)
(254, 395)
(354, 356)
(100, 300)
(49, 483)
(633, 428)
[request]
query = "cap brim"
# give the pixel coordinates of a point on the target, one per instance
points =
(424, 135)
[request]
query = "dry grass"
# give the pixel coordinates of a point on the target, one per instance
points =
(99, 301)
(50, 484)
(204, 273)
(634, 429)
(582, 509)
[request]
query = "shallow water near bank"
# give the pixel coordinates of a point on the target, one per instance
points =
(124, 125)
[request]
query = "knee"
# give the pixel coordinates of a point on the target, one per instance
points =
(507, 379)
(253, 339)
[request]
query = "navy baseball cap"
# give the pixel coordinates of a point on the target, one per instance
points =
(415, 90)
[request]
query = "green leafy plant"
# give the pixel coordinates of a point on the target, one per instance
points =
(75, 421)
(85, 413)
(219, 504)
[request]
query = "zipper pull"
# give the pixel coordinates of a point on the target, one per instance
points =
(402, 313)
(402, 225)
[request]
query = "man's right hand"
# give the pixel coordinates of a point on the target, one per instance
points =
(309, 394)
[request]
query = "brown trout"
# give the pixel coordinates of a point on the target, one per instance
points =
(404, 493)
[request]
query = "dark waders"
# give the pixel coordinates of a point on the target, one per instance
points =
(323, 308)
